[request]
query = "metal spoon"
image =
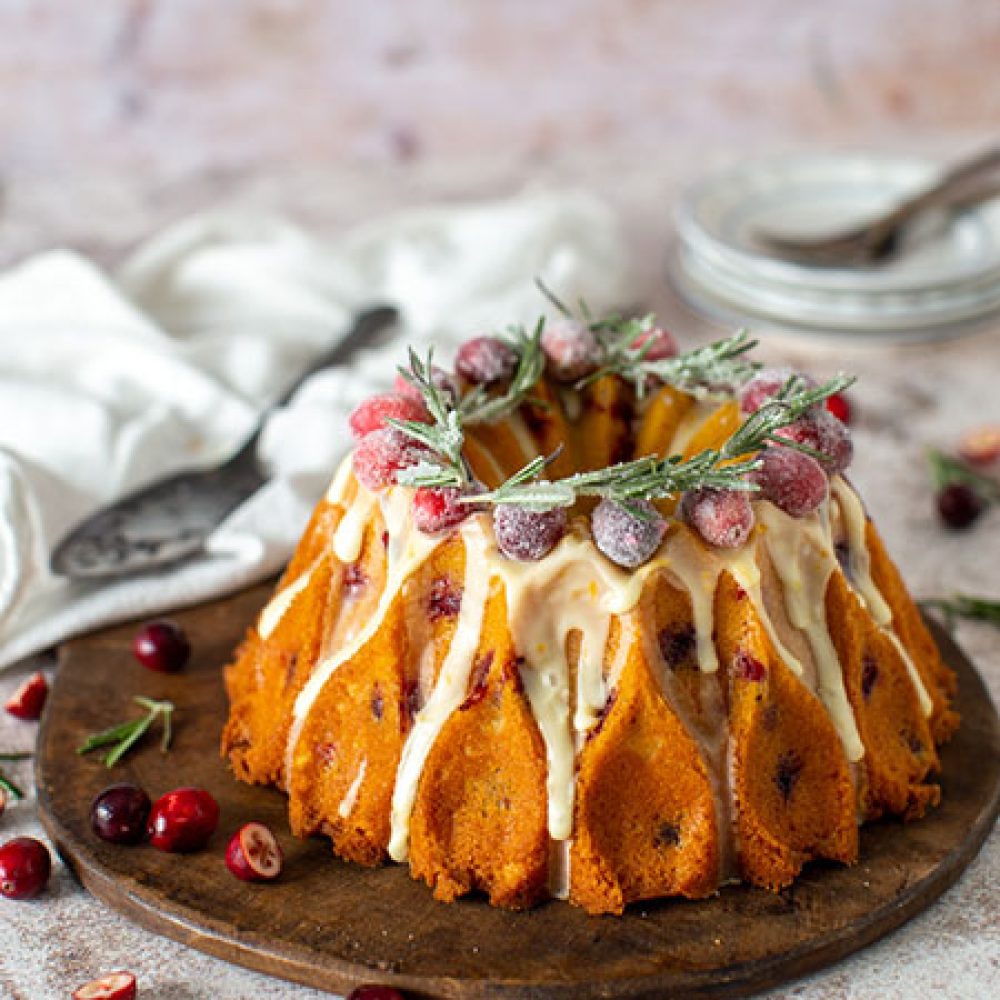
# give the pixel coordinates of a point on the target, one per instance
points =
(170, 519)
(879, 237)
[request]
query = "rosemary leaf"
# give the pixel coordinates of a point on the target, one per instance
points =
(946, 470)
(124, 736)
(10, 788)
(16, 756)
(982, 609)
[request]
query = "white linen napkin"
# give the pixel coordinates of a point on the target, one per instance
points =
(110, 381)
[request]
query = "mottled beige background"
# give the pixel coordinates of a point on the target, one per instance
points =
(118, 115)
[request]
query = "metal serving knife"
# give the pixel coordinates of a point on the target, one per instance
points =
(170, 519)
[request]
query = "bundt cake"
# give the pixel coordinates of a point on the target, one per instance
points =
(587, 618)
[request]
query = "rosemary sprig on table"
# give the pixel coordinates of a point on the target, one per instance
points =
(726, 467)
(983, 609)
(946, 470)
(124, 736)
(7, 787)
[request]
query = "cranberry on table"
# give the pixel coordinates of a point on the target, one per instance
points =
(25, 866)
(485, 360)
(958, 505)
(525, 534)
(162, 646)
(375, 993)
(372, 414)
(723, 518)
(627, 535)
(253, 854)
(793, 481)
(28, 700)
(183, 820)
(119, 814)
(981, 445)
(113, 986)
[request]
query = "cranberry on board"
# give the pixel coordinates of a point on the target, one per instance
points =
(183, 820)
(375, 993)
(113, 986)
(25, 866)
(28, 700)
(161, 646)
(119, 814)
(253, 854)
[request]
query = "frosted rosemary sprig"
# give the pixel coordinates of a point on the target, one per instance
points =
(445, 436)
(123, 737)
(946, 470)
(478, 407)
(650, 478)
(983, 609)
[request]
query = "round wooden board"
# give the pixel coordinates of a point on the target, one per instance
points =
(333, 925)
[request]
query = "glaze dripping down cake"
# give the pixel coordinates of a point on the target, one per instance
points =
(587, 618)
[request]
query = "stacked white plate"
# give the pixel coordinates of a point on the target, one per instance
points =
(946, 274)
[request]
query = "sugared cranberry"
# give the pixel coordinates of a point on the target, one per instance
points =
(662, 344)
(572, 350)
(824, 434)
(371, 415)
(958, 505)
(113, 986)
(253, 854)
(484, 360)
(793, 481)
(629, 535)
(443, 380)
(375, 993)
(765, 384)
(183, 820)
(25, 866)
(119, 814)
(526, 534)
(840, 406)
(161, 646)
(380, 455)
(28, 700)
(438, 509)
(723, 518)
(981, 445)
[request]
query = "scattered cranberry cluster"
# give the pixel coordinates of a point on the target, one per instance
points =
(966, 485)
(628, 534)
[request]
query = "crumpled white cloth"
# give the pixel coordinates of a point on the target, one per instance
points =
(110, 381)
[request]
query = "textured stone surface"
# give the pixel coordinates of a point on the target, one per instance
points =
(118, 117)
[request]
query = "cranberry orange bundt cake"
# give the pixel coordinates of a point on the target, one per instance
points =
(590, 619)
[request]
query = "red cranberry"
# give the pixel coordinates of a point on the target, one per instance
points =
(253, 854)
(439, 509)
(119, 814)
(793, 481)
(25, 866)
(981, 445)
(113, 986)
(824, 434)
(380, 455)
(662, 344)
(840, 406)
(28, 700)
(765, 384)
(183, 820)
(375, 993)
(572, 350)
(371, 415)
(441, 379)
(723, 518)
(484, 360)
(747, 667)
(627, 535)
(162, 646)
(527, 534)
(959, 505)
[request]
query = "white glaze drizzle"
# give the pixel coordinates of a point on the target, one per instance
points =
(449, 692)
(276, 608)
(350, 533)
(350, 799)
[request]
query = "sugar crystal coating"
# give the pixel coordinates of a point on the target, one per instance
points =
(484, 360)
(440, 378)
(371, 414)
(723, 518)
(572, 350)
(439, 508)
(526, 534)
(380, 455)
(765, 384)
(824, 434)
(662, 343)
(625, 537)
(793, 481)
